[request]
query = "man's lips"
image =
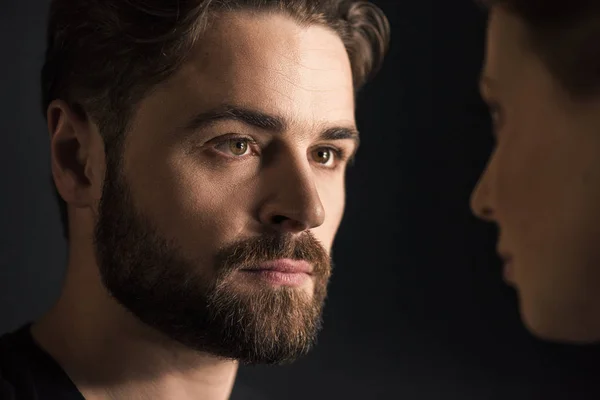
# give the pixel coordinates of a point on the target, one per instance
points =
(282, 272)
(284, 266)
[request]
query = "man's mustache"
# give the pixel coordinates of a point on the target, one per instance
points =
(256, 250)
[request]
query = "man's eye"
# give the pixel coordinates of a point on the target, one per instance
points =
(234, 146)
(323, 155)
(327, 156)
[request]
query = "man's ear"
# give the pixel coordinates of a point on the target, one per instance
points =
(77, 155)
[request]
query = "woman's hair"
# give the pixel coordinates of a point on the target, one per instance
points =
(565, 34)
(103, 56)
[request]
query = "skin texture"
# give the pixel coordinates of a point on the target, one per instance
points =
(161, 226)
(542, 187)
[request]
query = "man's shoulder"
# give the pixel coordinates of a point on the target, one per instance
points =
(27, 373)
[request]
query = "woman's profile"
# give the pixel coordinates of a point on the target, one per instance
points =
(541, 79)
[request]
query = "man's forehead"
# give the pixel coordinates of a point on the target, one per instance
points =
(257, 39)
(316, 85)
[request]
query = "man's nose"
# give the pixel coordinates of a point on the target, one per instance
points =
(293, 204)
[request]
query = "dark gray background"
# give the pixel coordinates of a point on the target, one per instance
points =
(417, 307)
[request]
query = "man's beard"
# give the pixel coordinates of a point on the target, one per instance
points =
(148, 276)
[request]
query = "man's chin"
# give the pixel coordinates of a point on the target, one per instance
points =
(273, 325)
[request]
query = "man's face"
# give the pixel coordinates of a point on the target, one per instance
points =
(542, 187)
(236, 162)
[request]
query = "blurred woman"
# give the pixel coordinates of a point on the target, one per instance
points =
(541, 80)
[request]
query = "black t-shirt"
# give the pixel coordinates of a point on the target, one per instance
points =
(27, 372)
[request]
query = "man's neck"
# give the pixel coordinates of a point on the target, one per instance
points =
(109, 354)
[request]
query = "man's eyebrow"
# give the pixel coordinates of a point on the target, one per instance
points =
(341, 133)
(228, 112)
(262, 120)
